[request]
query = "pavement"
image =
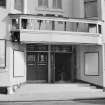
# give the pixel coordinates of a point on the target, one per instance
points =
(53, 92)
(80, 102)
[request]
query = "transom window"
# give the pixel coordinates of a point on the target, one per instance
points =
(57, 4)
(3, 3)
(43, 3)
(91, 8)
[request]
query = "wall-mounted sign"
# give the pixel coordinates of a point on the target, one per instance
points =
(2, 53)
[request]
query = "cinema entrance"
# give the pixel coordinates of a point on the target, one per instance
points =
(50, 63)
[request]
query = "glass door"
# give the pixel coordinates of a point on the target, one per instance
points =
(52, 67)
(37, 66)
(37, 63)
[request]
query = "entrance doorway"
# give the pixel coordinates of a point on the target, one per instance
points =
(37, 63)
(50, 63)
(63, 64)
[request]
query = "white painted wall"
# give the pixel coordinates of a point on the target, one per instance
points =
(57, 36)
(3, 23)
(98, 80)
(13, 79)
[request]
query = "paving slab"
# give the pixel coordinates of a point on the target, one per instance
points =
(48, 92)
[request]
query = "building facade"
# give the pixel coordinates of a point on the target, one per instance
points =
(51, 41)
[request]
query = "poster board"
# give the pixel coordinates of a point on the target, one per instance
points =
(18, 63)
(92, 64)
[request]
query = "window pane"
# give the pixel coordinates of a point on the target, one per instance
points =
(54, 3)
(2, 53)
(15, 23)
(40, 3)
(91, 8)
(57, 4)
(46, 3)
(43, 3)
(19, 5)
(3, 3)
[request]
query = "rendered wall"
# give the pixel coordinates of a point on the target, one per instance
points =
(3, 23)
(4, 72)
(7, 77)
(13, 78)
(81, 50)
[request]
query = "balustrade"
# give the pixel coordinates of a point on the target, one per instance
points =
(55, 24)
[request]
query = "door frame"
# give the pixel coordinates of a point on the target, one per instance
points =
(51, 73)
(72, 70)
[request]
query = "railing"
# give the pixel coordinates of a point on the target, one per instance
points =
(33, 23)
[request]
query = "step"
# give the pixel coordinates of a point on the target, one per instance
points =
(56, 88)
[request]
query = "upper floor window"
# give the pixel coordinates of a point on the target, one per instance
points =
(91, 8)
(19, 5)
(43, 3)
(57, 4)
(3, 3)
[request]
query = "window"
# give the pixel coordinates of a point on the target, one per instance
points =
(2, 53)
(19, 5)
(43, 3)
(15, 23)
(57, 4)
(3, 3)
(90, 8)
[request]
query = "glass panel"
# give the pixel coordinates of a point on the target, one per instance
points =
(54, 3)
(2, 53)
(43, 3)
(19, 5)
(57, 4)
(3, 3)
(92, 28)
(24, 23)
(83, 27)
(59, 26)
(99, 29)
(61, 48)
(35, 47)
(38, 24)
(15, 24)
(40, 2)
(91, 8)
